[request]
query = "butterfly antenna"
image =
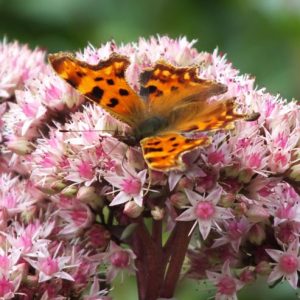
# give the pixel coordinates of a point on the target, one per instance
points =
(87, 130)
(149, 182)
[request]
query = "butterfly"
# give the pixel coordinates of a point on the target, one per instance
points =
(172, 102)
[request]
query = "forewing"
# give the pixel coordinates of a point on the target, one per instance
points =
(164, 152)
(104, 84)
(166, 87)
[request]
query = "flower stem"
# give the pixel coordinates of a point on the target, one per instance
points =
(179, 247)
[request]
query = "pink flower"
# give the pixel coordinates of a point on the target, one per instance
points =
(287, 264)
(130, 186)
(18, 64)
(205, 211)
(95, 292)
(235, 231)
(119, 260)
(50, 266)
(227, 285)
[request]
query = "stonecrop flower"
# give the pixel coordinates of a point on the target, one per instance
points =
(78, 205)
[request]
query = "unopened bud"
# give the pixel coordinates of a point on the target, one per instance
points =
(257, 234)
(157, 213)
(247, 276)
(29, 214)
(245, 176)
(227, 200)
(232, 171)
(69, 191)
(20, 146)
(295, 173)
(257, 213)
(89, 195)
(47, 185)
(179, 199)
(58, 186)
(263, 268)
(184, 183)
(98, 236)
(132, 210)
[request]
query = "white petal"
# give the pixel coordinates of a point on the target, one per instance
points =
(64, 275)
(275, 274)
(293, 279)
(120, 198)
(193, 197)
(187, 215)
(173, 179)
(275, 254)
(204, 228)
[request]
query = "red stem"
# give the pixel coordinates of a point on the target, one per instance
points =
(152, 259)
(179, 246)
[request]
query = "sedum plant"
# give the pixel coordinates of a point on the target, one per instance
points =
(80, 207)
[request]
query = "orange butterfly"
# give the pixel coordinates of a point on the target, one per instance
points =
(172, 101)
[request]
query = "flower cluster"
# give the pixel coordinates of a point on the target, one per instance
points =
(74, 197)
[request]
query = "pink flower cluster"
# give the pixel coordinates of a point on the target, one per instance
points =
(71, 192)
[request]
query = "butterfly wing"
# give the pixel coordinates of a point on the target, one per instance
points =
(166, 87)
(205, 116)
(104, 84)
(164, 152)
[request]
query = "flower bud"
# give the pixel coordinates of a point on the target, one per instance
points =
(247, 276)
(257, 234)
(98, 236)
(47, 185)
(88, 195)
(184, 183)
(179, 199)
(58, 186)
(263, 268)
(120, 259)
(245, 175)
(257, 214)
(20, 146)
(132, 210)
(28, 214)
(157, 213)
(232, 171)
(69, 191)
(295, 173)
(227, 200)
(135, 159)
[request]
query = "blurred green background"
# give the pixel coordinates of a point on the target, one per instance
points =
(260, 37)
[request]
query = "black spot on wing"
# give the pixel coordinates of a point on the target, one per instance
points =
(172, 139)
(113, 102)
(152, 89)
(152, 149)
(154, 143)
(123, 92)
(98, 79)
(72, 82)
(110, 82)
(96, 93)
(80, 74)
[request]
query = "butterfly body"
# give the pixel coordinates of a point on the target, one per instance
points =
(172, 101)
(150, 127)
